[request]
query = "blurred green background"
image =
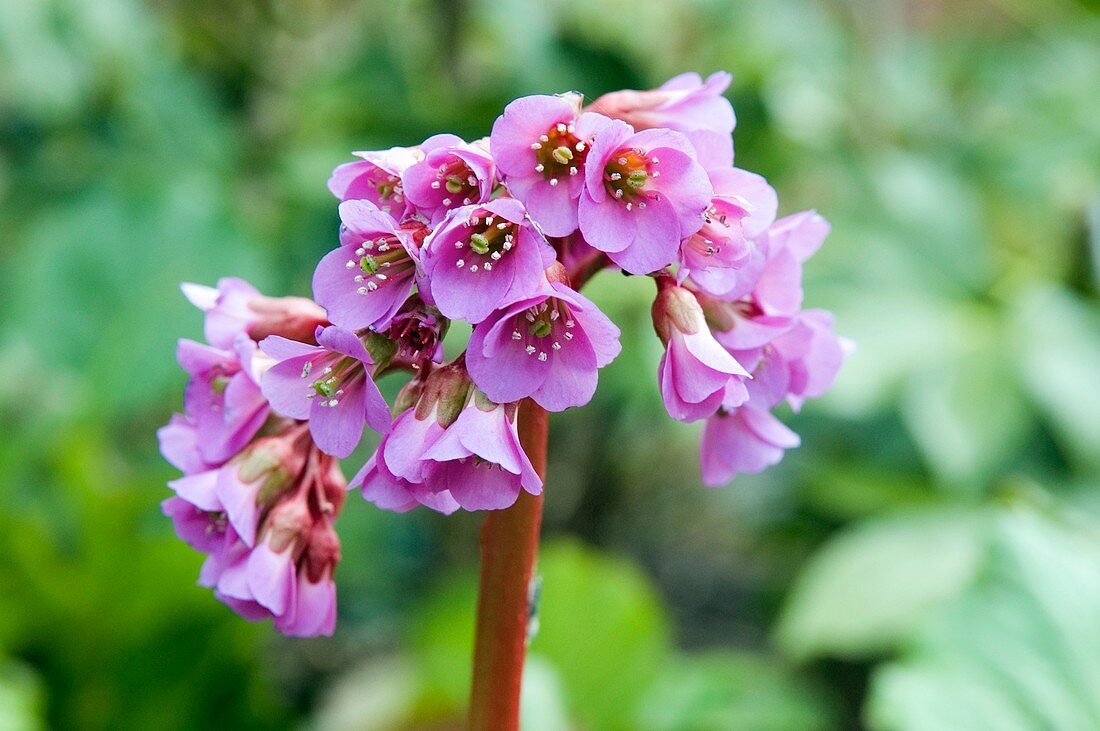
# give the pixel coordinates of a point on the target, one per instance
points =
(928, 560)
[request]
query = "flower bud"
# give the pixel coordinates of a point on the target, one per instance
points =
(446, 390)
(676, 308)
(294, 318)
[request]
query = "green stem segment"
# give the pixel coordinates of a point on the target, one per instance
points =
(509, 547)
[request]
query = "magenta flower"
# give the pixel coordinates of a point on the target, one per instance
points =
(540, 144)
(644, 193)
(482, 256)
(223, 404)
(478, 459)
(364, 282)
(548, 346)
(265, 522)
(226, 306)
(452, 174)
(376, 178)
(744, 440)
(696, 373)
(329, 384)
(453, 448)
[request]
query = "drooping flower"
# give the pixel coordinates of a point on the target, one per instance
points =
(364, 282)
(540, 144)
(376, 178)
(788, 243)
(644, 193)
(696, 373)
(264, 519)
(226, 307)
(223, 404)
(722, 257)
(548, 346)
(798, 364)
(330, 384)
(482, 256)
(452, 448)
(685, 103)
(452, 174)
(742, 440)
(235, 307)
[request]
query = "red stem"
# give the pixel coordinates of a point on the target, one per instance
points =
(509, 547)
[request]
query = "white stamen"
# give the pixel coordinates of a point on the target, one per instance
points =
(460, 263)
(542, 357)
(516, 335)
(435, 185)
(539, 168)
(553, 182)
(556, 345)
(530, 349)
(307, 368)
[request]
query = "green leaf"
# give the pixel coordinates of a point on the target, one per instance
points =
(1019, 650)
(716, 691)
(871, 586)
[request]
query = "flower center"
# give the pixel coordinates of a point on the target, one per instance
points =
(559, 152)
(457, 182)
(336, 376)
(379, 261)
(490, 239)
(544, 327)
(627, 176)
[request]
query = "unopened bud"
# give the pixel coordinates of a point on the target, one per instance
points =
(295, 318)
(446, 391)
(676, 308)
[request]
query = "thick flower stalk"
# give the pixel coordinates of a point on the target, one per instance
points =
(501, 233)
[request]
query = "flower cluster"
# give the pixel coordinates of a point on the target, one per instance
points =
(499, 233)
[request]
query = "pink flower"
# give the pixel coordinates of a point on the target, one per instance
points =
(265, 521)
(226, 306)
(644, 193)
(548, 346)
(743, 440)
(364, 282)
(800, 363)
(482, 256)
(452, 174)
(376, 178)
(788, 243)
(540, 144)
(696, 373)
(721, 257)
(685, 103)
(329, 384)
(453, 448)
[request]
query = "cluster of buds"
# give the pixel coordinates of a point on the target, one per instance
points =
(499, 233)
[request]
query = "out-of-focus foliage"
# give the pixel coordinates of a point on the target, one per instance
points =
(936, 537)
